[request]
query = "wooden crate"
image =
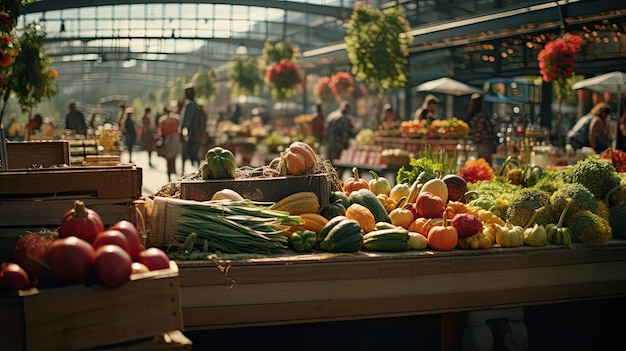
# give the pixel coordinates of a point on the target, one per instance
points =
(80, 317)
(259, 189)
(32, 199)
(28, 154)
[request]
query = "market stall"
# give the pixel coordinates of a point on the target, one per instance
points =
(320, 287)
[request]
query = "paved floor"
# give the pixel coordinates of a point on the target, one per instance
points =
(156, 176)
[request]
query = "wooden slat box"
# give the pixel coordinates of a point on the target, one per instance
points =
(26, 154)
(79, 317)
(32, 199)
(259, 189)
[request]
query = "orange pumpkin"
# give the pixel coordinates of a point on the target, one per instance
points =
(299, 157)
(363, 215)
(422, 225)
(354, 183)
(443, 237)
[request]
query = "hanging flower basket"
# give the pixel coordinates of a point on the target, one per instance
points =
(556, 59)
(322, 89)
(341, 83)
(556, 64)
(283, 77)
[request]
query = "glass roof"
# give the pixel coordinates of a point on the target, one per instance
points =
(132, 47)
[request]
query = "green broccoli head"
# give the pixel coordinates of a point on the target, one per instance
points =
(617, 220)
(589, 228)
(551, 181)
(582, 199)
(523, 206)
(596, 174)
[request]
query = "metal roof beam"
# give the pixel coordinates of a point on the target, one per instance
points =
(322, 10)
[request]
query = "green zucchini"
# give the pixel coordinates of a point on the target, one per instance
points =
(368, 199)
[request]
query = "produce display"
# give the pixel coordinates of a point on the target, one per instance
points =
(430, 207)
(80, 251)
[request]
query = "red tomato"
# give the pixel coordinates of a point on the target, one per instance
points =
(134, 240)
(30, 250)
(111, 237)
(81, 222)
(112, 265)
(70, 259)
(154, 259)
(13, 277)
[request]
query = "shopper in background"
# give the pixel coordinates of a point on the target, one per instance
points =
(620, 141)
(129, 131)
(591, 130)
(390, 118)
(34, 126)
(169, 140)
(318, 125)
(236, 114)
(339, 131)
(75, 120)
(121, 107)
(148, 133)
(193, 127)
(428, 110)
(480, 127)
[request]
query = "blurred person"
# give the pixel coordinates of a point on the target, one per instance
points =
(428, 110)
(129, 131)
(33, 127)
(148, 130)
(75, 120)
(390, 118)
(591, 130)
(236, 114)
(480, 127)
(167, 130)
(94, 121)
(339, 130)
(318, 125)
(121, 107)
(193, 127)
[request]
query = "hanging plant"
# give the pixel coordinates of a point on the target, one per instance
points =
(283, 77)
(275, 52)
(377, 43)
(32, 78)
(341, 84)
(556, 64)
(556, 60)
(204, 83)
(322, 89)
(245, 76)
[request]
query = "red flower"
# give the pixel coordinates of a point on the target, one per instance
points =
(6, 22)
(283, 77)
(322, 89)
(283, 74)
(341, 83)
(556, 59)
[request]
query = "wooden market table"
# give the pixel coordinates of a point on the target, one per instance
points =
(294, 289)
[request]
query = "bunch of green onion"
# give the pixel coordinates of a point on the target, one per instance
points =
(235, 226)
